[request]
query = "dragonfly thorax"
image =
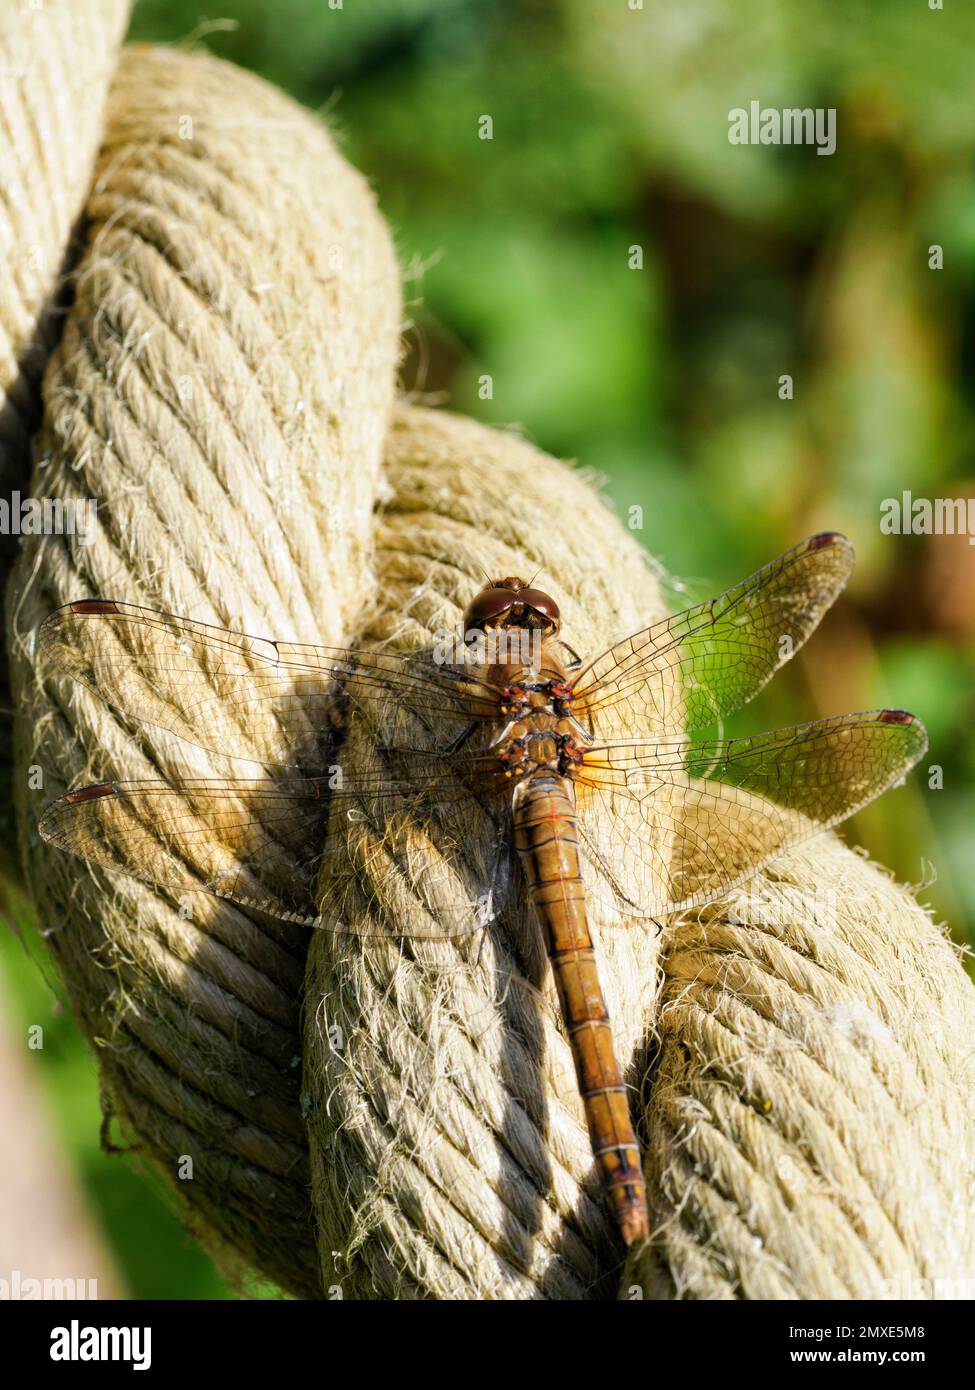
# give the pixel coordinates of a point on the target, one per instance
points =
(539, 742)
(529, 695)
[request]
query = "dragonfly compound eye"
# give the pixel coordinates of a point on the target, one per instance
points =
(489, 606)
(541, 603)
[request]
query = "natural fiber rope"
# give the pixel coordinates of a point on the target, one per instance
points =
(223, 380)
(812, 1110)
(222, 388)
(448, 1144)
(56, 62)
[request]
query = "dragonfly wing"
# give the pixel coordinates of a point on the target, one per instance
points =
(261, 842)
(689, 671)
(692, 819)
(274, 703)
(252, 840)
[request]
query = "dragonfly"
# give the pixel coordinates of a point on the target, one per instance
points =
(608, 765)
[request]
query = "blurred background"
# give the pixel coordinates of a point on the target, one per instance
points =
(635, 287)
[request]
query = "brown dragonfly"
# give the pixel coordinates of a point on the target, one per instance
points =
(603, 765)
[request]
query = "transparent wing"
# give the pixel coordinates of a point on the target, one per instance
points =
(681, 821)
(261, 842)
(676, 823)
(248, 697)
(689, 671)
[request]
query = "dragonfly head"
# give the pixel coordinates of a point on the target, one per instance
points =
(511, 603)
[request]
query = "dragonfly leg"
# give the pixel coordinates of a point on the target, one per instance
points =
(584, 734)
(451, 748)
(576, 659)
(625, 903)
(498, 884)
(461, 739)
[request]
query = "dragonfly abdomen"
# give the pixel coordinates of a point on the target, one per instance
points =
(547, 842)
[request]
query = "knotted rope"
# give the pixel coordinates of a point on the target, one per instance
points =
(223, 387)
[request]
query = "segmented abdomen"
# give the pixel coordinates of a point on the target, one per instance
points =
(547, 843)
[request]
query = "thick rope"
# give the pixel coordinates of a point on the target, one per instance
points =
(56, 61)
(811, 1128)
(448, 1143)
(223, 388)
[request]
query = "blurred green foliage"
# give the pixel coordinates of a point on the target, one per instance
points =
(610, 129)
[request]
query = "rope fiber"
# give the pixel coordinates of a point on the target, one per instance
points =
(400, 1118)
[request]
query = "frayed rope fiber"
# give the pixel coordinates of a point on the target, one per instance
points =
(400, 1118)
(221, 389)
(56, 62)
